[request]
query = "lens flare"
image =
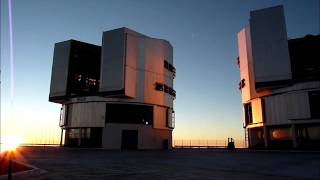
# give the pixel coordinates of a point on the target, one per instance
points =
(10, 143)
(11, 49)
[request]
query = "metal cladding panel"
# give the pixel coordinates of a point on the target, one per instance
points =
(154, 56)
(168, 79)
(298, 105)
(130, 82)
(142, 66)
(245, 60)
(154, 71)
(60, 66)
(257, 110)
(168, 51)
(168, 56)
(112, 61)
(159, 117)
(132, 54)
(87, 114)
(140, 73)
(151, 95)
(269, 45)
(276, 110)
(283, 108)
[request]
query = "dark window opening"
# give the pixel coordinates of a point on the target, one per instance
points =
(84, 69)
(172, 92)
(173, 119)
(314, 101)
(242, 84)
(129, 113)
(170, 67)
(304, 58)
(166, 89)
(62, 121)
(167, 117)
(166, 64)
(165, 144)
(256, 139)
(238, 61)
(159, 87)
(248, 113)
(308, 136)
(170, 118)
(84, 137)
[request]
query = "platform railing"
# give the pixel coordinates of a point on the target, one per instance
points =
(205, 143)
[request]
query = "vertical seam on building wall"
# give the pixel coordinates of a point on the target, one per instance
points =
(124, 62)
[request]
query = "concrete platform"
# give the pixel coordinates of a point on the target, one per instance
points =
(69, 163)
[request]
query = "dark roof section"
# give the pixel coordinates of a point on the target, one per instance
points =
(305, 58)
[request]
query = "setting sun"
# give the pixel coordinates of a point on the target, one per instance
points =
(10, 143)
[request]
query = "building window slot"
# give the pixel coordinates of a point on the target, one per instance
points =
(159, 86)
(248, 113)
(242, 84)
(166, 64)
(129, 113)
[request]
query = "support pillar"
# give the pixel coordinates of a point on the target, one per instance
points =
(294, 136)
(61, 136)
(249, 138)
(80, 136)
(266, 136)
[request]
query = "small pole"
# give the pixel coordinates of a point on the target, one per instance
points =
(61, 137)
(10, 167)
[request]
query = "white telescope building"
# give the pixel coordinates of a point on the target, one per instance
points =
(115, 96)
(279, 83)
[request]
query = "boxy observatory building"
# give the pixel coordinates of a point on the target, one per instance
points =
(279, 83)
(115, 96)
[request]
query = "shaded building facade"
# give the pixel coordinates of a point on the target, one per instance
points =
(115, 96)
(279, 83)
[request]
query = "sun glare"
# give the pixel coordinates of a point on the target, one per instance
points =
(10, 143)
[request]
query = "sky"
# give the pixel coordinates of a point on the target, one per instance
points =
(203, 34)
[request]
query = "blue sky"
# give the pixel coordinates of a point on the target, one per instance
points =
(203, 34)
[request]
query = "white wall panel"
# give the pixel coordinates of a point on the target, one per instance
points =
(276, 110)
(91, 114)
(112, 61)
(283, 108)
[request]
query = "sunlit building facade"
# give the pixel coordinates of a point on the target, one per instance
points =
(115, 96)
(279, 83)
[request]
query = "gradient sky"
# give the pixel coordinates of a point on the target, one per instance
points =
(203, 34)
